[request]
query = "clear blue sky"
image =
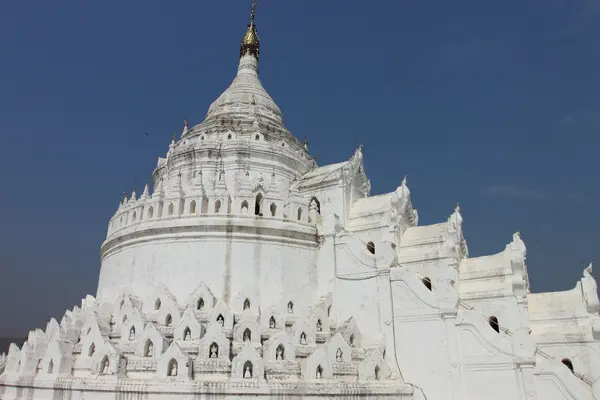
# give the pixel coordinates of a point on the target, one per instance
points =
(493, 104)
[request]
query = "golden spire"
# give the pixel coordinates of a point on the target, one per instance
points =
(250, 43)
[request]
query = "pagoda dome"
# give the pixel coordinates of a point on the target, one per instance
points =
(246, 96)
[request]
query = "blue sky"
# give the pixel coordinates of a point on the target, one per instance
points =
(493, 104)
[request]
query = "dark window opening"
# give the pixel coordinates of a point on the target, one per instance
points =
(494, 324)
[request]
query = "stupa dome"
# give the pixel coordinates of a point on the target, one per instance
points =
(246, 96)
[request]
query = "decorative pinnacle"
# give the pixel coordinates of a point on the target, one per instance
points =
(253, 14)
(250, 43)
(185, 122)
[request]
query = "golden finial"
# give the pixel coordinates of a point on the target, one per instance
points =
(250, 42)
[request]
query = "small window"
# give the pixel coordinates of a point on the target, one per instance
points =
(157, 305)
(134, 216)
(299, 214)
(316, 204)
(104, 366)
(494, 324)
(193, 207)
(217, 206)
(213, 351)
(257, 137)
(92, 350)
(258, 204)
(148, 348)
(280, 353)
(168, 320)
(247, 370)
(290, 307)
(247, 336)
(171, 209)
(229, 137)
(51, 366)
(568, 364)
(246, 304)
(319, 373)
(351, 340)
(376, 372)
(329, 311)
(172, 369)
(427, 282)
(150, 212)
(303, 338)
(371, 247)
(273, 209)
(200, 304)
(187, 334)
(244, 207)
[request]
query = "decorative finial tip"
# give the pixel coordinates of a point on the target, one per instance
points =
(185, 122)
(457, 209)
(253, 14)
(250, 42)
(404, 181)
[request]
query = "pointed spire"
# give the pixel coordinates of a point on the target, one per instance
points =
(456, 218)
(185, 127)
(250, 43)
(133, 196)
(171, 145)
(145, 193)
(123, 199)
(404, 181)
(588, 271)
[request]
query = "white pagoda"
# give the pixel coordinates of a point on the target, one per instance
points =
(251, 272)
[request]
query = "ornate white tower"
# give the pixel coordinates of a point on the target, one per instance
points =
(222, 211)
